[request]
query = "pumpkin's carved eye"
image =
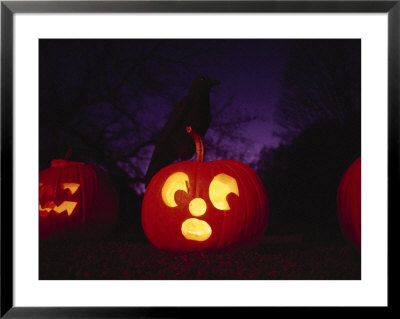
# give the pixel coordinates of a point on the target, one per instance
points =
(220, 187)
(72, 187)
(175, 182)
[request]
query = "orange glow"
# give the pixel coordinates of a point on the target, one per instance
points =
(64, 206)
(177, 181)
(73, 187)
(196, 229)
(220, 187)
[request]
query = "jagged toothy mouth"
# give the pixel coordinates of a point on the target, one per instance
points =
(68, 206)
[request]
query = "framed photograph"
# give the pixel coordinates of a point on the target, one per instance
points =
(224, 156)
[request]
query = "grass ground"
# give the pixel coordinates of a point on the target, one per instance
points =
(275, 258)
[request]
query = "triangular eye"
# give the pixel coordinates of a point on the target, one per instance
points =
(177, 181)
(73, 187)
(220, 187)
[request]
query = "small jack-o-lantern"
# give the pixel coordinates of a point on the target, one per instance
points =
(76, 200)
(348, 201)
(191, 206)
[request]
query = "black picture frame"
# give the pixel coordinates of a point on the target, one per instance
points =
(9, 8)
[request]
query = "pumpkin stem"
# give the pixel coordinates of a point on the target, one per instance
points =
(199, 143)
(68, 153)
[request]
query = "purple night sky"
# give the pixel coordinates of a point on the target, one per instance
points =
(250, 72)
(86, 87)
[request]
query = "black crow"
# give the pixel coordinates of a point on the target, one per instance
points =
(173, 141)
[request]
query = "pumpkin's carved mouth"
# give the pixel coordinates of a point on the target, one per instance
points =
(47, 194)
(68, 206)
(196, 229)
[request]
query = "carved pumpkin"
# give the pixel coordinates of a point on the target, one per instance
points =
(196, 205)
(76, 200)
(349, 203)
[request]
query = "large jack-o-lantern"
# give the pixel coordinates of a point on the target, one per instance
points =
(348, 201)
(196, 205)
(76, 200)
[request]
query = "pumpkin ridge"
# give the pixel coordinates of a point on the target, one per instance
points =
(348, 199)
(84, 203)
(239, 230)
(250, 227)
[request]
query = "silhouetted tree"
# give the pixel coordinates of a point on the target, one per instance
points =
(302, 178)
(108, 99)
(319, 120)
(322, 81)
(111, 98)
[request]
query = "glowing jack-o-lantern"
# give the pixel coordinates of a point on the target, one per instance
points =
(46, 194)
(196, 205)
(76, 200)
(348, 201)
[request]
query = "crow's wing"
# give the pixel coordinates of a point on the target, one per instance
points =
(164, 153)
(175, 120)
